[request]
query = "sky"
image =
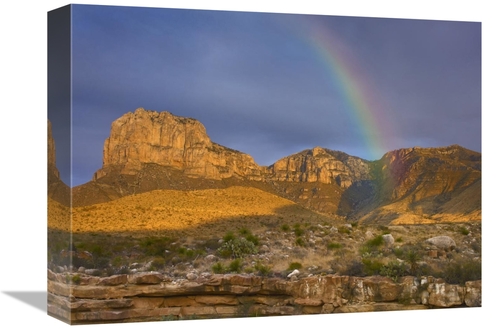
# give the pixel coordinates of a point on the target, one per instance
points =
(272, 85)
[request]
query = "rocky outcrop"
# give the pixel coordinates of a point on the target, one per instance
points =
(164, 139)
(51, 152)
(422, 173)
(56, 189)
(152, 296)
(321, 165)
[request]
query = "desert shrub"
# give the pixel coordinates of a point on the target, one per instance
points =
(412, 257)
(333, 245)
(294, 266)
(393, 270)
(375, 242)
(76, 279)
(371, 267)
(462, 271)
(300, 242)
(398, 252)
(154, 246)
(235, 265)
(211, 244)
(399, 239)
(252, 238)
(237, 248)
(218, 268)
(262, 269)
(298, 231)
(244, 231)
(158, 263)
(353, 268)
(229, 236)
(285, 227)
(464, 230)
(101, 262)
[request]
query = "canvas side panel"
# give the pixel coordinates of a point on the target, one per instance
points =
(59, 242)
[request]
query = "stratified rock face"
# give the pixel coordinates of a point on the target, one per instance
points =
(426, 172)
(51, 152)
(165, 139)
(321, 165)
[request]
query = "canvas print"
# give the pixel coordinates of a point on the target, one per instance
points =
(209, 164)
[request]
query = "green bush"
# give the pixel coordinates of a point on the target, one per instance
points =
(462, 271)
(371, 267)
(298, 231)
(285, 227)
(464, 230)
(252, 238)
(294, 266)
(393, 270)
(218, 268)
(76, 279)
(398, 252)
(262, 269)
(228, 237)
(244, 231)
(235, 265)
(154, 246)
(375, 242)
(333, 245)
(237, 248)
(300, 242)
(412, 257)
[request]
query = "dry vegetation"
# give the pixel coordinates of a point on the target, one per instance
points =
(246, 230)
(203, 210)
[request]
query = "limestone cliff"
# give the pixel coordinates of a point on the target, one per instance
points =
(56, 188)
(51, 152)
(164, 139)
(321, 165)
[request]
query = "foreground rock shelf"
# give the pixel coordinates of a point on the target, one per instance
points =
(152, 296)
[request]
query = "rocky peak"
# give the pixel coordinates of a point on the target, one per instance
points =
(168, 140)
(51, 152)
(321, 165)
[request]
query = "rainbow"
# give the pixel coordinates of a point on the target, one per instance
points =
(363, 103)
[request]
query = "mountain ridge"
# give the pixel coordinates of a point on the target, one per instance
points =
(148, 150)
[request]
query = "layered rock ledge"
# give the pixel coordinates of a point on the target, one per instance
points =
(152, 296)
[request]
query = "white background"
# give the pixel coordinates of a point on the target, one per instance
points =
(23, 160)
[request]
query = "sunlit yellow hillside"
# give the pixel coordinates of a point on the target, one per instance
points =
(177, 210)
(58, 215)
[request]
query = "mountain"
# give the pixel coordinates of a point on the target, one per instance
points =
(56, 189)
(148, 150)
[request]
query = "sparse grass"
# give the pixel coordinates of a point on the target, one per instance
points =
(344, 230)
(300, 242)
(204, 227)
(333, 245)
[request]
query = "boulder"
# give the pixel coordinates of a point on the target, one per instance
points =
(442, 242)
(388, 240)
